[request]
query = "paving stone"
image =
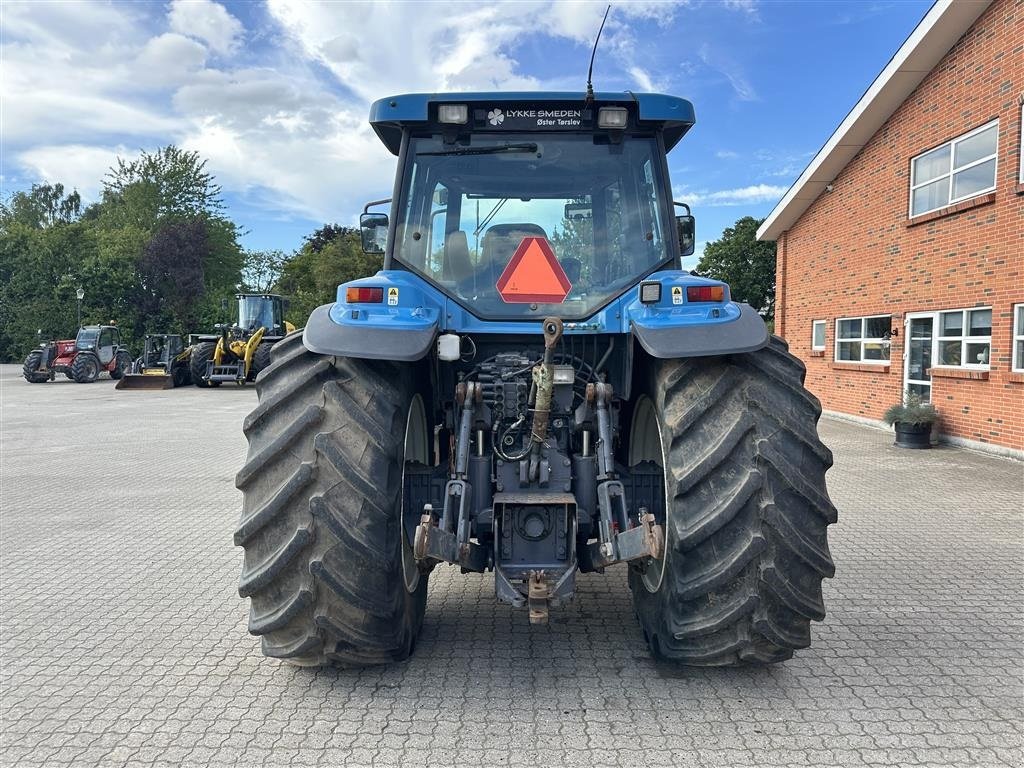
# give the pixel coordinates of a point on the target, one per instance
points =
(124, 641)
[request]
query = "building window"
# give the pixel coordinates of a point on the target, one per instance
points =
(863, 339)
(818, 335)
(965, 338)
(1018, 338)
(1020, 149)
(959, 169)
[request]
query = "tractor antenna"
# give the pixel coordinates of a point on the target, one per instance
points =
(593, 53)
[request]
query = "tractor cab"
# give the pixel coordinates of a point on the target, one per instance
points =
(526, 206)
(102, 340)
(265, 310)
(161, 349)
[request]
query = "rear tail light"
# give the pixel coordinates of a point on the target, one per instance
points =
(364, 295)
(705, 293)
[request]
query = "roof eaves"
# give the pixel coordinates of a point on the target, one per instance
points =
(944, 24)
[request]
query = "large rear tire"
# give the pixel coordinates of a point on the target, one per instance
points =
(202, 353)
(748, 509)
(85, 368)
(30, 369)
(328, 566)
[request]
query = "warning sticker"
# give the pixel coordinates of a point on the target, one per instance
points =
(677, 294)
(533, 275)
(392, 297)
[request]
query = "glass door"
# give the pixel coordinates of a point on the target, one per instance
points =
(918, 355)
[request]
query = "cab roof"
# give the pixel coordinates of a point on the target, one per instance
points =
(389, 115)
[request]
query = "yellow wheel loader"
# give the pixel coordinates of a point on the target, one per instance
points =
(239, 351)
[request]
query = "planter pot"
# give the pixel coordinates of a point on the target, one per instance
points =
(913, 435)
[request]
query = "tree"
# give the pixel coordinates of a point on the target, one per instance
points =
(746, 264)
(261, 269)
(311, 277)
(171, 271)
(167, 183)
(326, 234)
(45, 205)
(155, 253)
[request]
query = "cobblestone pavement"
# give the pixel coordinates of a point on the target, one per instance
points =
(124, 641)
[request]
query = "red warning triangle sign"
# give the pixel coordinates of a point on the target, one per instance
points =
(533, 275)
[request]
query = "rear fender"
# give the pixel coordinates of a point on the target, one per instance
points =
(674, 327)
(400, 327)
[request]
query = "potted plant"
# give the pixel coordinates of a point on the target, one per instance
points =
(913, 419)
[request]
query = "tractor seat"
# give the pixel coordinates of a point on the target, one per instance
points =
(457, 264)
(501, 241)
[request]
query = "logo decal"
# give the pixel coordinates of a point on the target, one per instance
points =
(496, 117)
(392, 297)
(677, 294)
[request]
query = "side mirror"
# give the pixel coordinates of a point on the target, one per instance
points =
(373, 227)
(687, 228)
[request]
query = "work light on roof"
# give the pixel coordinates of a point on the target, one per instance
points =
(612, 117)
(457, 114)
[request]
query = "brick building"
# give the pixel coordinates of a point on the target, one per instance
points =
(901, 246)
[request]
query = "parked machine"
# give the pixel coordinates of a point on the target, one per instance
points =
(238, 352)
(533, 386)
(164, 364)
(95, 349)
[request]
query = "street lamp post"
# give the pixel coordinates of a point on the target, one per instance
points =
(80, 294)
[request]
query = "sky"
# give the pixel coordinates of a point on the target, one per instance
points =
(275, 94)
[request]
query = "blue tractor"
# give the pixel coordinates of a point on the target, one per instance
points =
(533, 387)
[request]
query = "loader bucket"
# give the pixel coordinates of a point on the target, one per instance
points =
(145, 381)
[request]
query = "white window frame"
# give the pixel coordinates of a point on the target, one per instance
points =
(814, 325)
(950, 200)
(1018, 360)
(1020, 147)
(862, 340)
(964, 340)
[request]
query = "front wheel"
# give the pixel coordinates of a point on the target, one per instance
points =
(202, 353)
(328, 566)
(85, 368)
(747, 509)
(30, 369)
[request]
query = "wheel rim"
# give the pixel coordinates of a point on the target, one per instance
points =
(646, 444)
(416, 449)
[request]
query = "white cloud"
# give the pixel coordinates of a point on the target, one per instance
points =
(169, 59)
(86, 81)
(646, 81)
(731, 70)
(207, 21)
(756, 193)
(76, 166)
(726, 154)
(748, 7)
(455, 51)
